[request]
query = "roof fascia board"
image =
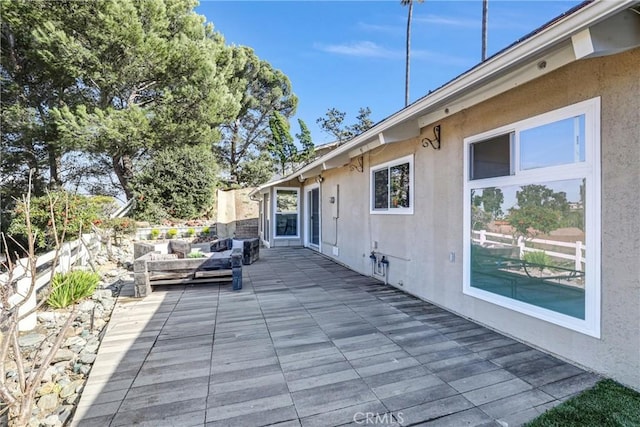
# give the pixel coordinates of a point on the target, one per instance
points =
(528, 49)
(532, 70)
(370, 146)
(585, 17)
(614, 35)
(523, 51)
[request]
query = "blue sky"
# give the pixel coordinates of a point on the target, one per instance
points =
(350, 54)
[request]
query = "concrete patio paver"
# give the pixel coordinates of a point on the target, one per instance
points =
(308, 342)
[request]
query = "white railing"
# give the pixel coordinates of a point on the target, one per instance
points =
(77, 252)
(576, 254)
(123, 210)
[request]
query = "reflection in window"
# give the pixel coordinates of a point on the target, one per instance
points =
(527, 243)
(400, 186)
(286, 212)
(563, 138)
(391, 186)
(381, 189)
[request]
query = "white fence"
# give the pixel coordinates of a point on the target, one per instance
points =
(73, 253)
(574, 253)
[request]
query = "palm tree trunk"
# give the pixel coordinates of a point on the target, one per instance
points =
(408, 55)
(485, 14)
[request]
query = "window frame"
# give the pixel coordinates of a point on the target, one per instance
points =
(388, 165)
(276, 212)
(588, 170)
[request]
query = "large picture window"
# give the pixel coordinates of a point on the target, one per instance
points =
(287, 209)
(532, 197)
(392, 187)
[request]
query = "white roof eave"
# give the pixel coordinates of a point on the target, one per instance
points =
(495, 67)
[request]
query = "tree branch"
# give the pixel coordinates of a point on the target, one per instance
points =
(19, 363)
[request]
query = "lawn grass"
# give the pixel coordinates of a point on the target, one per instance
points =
(606, 404)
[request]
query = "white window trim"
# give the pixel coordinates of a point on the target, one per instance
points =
(590, 170)
(307, 227)
(275, 212)
(269, 210)
(388, 165)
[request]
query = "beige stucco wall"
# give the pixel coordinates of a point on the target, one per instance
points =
(234, 208)
(419, 245)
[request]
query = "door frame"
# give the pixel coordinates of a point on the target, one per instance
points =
(307, 217)
(266, 218)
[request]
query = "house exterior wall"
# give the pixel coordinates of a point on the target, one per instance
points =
(425, 248)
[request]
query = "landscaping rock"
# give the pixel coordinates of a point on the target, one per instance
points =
(47, 388)
(10, 365)
(48, 317)
(50, 374)
(91, 348)
(102, 294)
(70, 389)
(87, 358)
(63, 381)
(52, 420)
(31, 340)
(112, 273)
(62, 355)
(62, 366)
(98, 324)
(87, 306)
(48, 402)
(75, 341)
(65, 413)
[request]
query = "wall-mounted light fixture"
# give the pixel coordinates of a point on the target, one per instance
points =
(301, 179)
(319, 179)
(435, 142)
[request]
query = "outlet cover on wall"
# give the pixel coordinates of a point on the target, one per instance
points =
(336, 251)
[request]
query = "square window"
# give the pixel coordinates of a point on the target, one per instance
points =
(532, 229)
(552, 144)
(392, 187)
(492, 157)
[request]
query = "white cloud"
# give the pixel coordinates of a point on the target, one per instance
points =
(364, 49)
(441, 58)
(447, 21)
(385, 29)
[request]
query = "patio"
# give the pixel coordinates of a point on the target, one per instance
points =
(309, 342)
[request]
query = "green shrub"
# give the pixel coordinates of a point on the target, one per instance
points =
(205, 231)
(172, 233)
(121, 227)
(191, 232)
(537, 257)
(71, 287)
(155, 233)
(195, 255)
(177, 182)
(73, 212)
